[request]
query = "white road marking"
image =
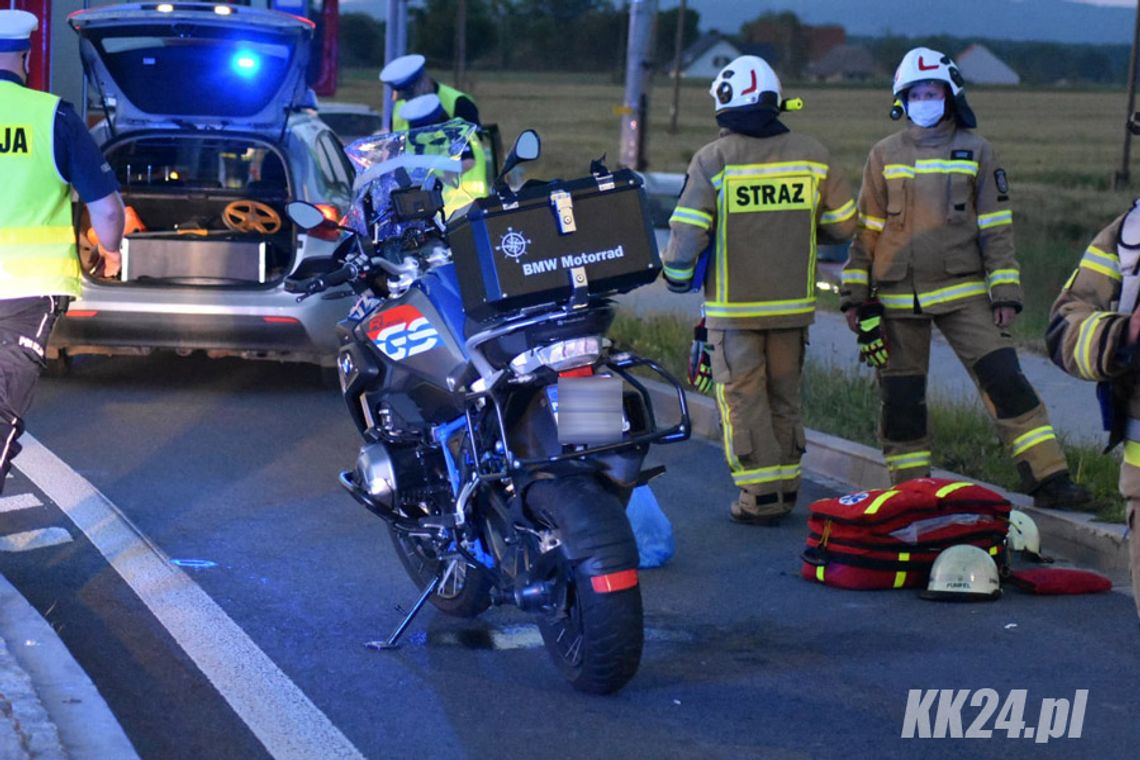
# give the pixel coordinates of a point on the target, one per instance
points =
(276, 711)
(19, 501)
(34, 539)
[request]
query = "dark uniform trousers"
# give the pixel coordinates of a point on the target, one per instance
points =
(25, 326)
(758, 373)
(988, 354)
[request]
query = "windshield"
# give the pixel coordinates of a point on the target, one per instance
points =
(401, 160)
(201, 70)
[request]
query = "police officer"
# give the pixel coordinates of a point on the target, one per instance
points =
(763, 196)
(426, 111)
(935, 241)
(45, 150)
(408, 78)
(1094, 334)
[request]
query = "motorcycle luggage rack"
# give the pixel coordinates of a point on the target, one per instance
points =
(621, 364)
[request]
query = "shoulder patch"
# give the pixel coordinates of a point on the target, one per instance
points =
(1001, 180)
(961, 155)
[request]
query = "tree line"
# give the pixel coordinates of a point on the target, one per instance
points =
(590, 36)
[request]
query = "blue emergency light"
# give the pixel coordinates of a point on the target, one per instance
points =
(245, 63)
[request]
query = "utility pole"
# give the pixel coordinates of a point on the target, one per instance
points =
(1122, 178)
(395, 43)
(678, 43)
(460, 43)
(638, 74)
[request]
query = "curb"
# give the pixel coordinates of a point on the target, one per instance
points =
(63, 714)
(1076, 536)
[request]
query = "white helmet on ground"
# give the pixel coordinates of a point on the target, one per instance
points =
(963, 573)
(925, 65)
(747, 82)
(1023, 533)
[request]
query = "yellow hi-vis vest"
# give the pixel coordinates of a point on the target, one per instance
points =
(473, 183)
(447, 97)
(37, 241)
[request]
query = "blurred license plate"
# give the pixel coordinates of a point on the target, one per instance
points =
(588, 410)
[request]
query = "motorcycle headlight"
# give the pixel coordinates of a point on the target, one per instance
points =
(570, 354)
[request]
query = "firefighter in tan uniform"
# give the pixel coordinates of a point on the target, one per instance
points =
(758, 199)
(1094, 334)
(935, 247)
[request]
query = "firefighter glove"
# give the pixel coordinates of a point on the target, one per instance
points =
(700, 360)
(872, 346)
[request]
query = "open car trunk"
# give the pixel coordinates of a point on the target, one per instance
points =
(204, 210)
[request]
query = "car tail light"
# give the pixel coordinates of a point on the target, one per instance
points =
(81, 313)
(281, 320)
(330, 231)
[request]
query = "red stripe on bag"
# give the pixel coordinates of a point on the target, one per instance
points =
(619, 581)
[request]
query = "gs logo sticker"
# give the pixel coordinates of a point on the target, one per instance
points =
(853, 498)
(402, 332)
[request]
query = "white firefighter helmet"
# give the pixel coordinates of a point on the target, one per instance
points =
(963, 573)
(925, 65)
(1023, 533)
(747, 81)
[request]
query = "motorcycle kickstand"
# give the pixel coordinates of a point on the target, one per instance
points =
(391, 641)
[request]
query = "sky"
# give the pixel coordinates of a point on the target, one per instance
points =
(1080, 21)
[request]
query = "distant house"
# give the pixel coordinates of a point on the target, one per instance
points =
(980, 66)
(844, 63)
(707, 56)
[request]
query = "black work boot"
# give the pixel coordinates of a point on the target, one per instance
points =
(1060, 492)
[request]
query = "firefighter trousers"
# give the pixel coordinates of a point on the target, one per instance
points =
(988, 354)
(1130, 490)
(757, 375)
(25, 326)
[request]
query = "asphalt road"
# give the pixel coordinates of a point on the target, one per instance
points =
(228, 469)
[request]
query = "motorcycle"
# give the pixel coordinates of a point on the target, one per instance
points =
(501, 445)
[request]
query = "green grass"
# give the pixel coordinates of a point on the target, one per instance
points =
(840, 402)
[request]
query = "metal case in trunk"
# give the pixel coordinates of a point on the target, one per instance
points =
(226, 259)
(525, 251)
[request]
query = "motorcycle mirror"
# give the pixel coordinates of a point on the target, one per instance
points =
(305, 215)
(527, 147)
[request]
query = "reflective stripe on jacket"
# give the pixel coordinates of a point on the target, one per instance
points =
(37, 241)
(935, 226)
(762, 203)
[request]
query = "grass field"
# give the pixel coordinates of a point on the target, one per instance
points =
(1059, 147)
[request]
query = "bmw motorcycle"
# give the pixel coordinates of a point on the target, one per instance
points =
(502, 438)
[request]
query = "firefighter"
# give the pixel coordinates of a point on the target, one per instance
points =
(935, 247)
(408, 78)
(1094, 334)
(761, 196)
(45, 150)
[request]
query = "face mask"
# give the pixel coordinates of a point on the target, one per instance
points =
(925, 113)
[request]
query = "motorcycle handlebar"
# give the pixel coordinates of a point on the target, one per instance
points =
(320, 283)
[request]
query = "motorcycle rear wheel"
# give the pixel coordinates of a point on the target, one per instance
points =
(595, 639)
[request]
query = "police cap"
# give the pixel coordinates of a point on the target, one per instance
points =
(16, 28)
(403, 72)
(422, 111)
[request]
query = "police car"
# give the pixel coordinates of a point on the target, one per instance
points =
(209, 128)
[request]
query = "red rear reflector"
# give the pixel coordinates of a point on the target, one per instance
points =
(619, 581)
(81, 313)
(578, 372)
(282, 320)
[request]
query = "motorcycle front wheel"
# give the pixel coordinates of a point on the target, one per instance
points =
(594, 637)
(464, 589)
